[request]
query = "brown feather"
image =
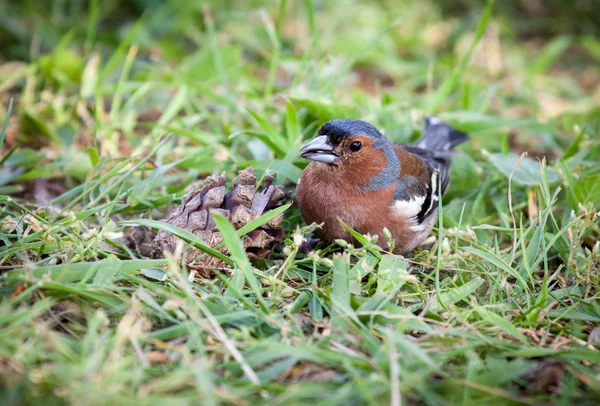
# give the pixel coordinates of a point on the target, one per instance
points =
(412, 165)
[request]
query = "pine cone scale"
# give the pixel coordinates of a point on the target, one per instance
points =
(241, 206)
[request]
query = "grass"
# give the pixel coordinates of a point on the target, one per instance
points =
(118, 108)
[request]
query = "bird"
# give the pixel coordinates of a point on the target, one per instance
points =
(358, 176)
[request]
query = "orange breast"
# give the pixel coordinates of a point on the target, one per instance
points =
(324, 198)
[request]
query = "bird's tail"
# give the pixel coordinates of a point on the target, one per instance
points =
(439, 136)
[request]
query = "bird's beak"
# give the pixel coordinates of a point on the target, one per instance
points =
(319, 150)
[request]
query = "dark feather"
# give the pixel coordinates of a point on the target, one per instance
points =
(439, 136)
(434, 148)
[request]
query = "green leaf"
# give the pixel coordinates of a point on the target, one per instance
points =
(93, 154)
(455, 295)
(174, 106)
(453, 80)
(587, 190)
(77, 271)
(77, 164)
(502, 323)
(417, 352)
(498, 262)
(272, 134)
(268, 141)
(285, 169)
(314, 306)
(323, 109)
(391, 274)
(116, 58)
(574, 147)
(549, 54)
(570, 314)
(592, 45)
(362, 267)
(361, 239)
(63, 66)
(89, 77)
(153, 273)
(292, 126)
(463, 168)
(109, 300)
(528, 173)
(282, 168)
(107, 272)
(264, 219)
(340, 295)
(183, 234)
(276, 368)
(238, 255)
(8, 175)
(301, 301)
(5, 124)
(32, 122)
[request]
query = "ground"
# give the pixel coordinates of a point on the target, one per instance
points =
(114, 110)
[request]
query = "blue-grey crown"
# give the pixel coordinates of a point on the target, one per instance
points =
(335, 130)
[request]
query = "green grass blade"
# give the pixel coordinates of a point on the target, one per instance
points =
(362, 240)
(499, 263)
(273, 135)
(5, 124)
(455, 295)
(340, 294)
(455, 77)
(76, 272)
(501, 323)
(238, 256)
(292, 126)
(183, 234)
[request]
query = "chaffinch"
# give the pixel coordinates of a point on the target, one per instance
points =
(357, 175)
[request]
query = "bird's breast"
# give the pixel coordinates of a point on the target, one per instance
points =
(325, 200)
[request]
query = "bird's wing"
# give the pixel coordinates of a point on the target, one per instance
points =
(438, 161)
(422, 173)
(425, 169)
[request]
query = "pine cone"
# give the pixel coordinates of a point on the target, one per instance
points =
(241, 205)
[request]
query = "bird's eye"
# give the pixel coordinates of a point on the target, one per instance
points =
(355, 146)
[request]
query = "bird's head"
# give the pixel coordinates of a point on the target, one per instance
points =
(353, 151)
(342, 142)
